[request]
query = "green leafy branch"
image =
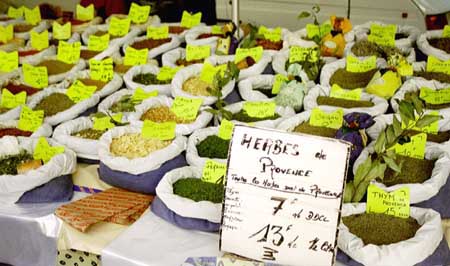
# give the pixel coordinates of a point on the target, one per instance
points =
(314, 13)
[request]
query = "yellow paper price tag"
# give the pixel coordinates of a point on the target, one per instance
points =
(157, 33)
(85, 13)
(315, 30)
(9, 61)
(319, 118)
(278, 82)
(273, 35)
(435, 96)
(186, 108)
(216, 29)
(11, 101)
(355, 65)
(6, 33)
(62, 32)
(225, 129)
(446, 32)
(30, 120)
(68, 52)
(167, 73)
(15, 12)
(36, 77)
(432, 128)
(395, 203)
(194, 52)
(382, 35)
(436, 65)
(405, 69)
(43, 151)
(39, 41)
(255, 53)
(338, 92)
(260, 109)
(214, 172)
(138, 14)
(33, 16)
(135, 56)
(189, 21)
(161, 131)
(101, 70)
(119, 27)
(301, 54)
(78, 92)
(98, 43)
(140, 95)
(414, 149)
(104, 123)
(209, 72)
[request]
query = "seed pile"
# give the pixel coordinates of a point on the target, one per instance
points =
(196, 86)
(89, 133)
(162, 114)
(133, 145)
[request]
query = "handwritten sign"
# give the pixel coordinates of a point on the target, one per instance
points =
(43, 151)
(209, 72)
(196, 52)
(104, 123)
(189, 21)
(9, 61)
(213, 171)
(85, 13)
(167, 73)
(30, 120)
(301, 54)
(69, 52)
(273, 35)
(119, 27)
(62, 32)
(340, 93)
(6, 33)
(414, 149)
(436, 65)
(260, 109)
(39, 41)
(157, 33)
(15, 12)
(319, 118)
(161, 131)
(225, 129)
(446, 31)
(36, 77)
(186, 108)
(382, 35)
(33, 16)
(101, 70)
(278, 82)
(138, 14)
(98, 43)
(431, 96)
(313, 30)
(355, 65)
(255, 53)
(78, 92)
(135, 56)
(140, 95)
(11, 101)
(281, 203)
(395, 203)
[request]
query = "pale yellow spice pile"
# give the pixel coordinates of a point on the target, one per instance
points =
(133, 145)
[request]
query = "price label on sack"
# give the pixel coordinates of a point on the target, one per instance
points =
(167, 73)
(260, 109)
(161, 131)
(255, 53)
(382, 35)
(340, 93)
(395, 203)
(36, 77)
(39, 41)
(316, 30)
(157, 33)
(30, 120)
(353, 64)
(9, 61)
(431, 96)
(432, 128)
(119, 27)
(68, 52)
(6, 33)
(186, 108)
(405, 69)
(135, 56)
(33, 16)
(98, 43)
(85, 13)
(225, 129)
(104, 123)
(320, 118)
(62, 32)
(278, 82)
(189, 21)
(101, 70)
(15, 12)
(78, 92)
(446, 32)
(281, 204)
(138, 14)
(273, 35)
(209, 72)
(45, 152)
(414, 149)
(197, 52)
(214, 172)
(216, 29)
(436, 65)
(10, 101)
(301, 54)
(140, 95)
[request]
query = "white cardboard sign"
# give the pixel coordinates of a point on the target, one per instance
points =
(283, 197)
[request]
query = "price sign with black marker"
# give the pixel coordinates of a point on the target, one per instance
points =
(283, 197)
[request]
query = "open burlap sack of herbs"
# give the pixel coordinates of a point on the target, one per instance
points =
(151, 21)
(186, 201)
(320, 97)
(11, 128)
(420, 72)
(119, 102)
(22, 29)
(205, 144)
(248, 66)
(29, 54)
(432, 43)
(57, 70)
(26, 180)
(157, 109)
(155, 47)
(87, 54)
(132, 162)
(101, 29)
(366, 48)
(104, 88)
(145, 77)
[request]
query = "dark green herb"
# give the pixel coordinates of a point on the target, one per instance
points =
(441, 77)
(430, 106)
(89, 133)
(331, 101)
(125, 104)
(306, 128)
(242, 116)
(413, 171)
(149, 79)
(54, 103)
(441, 44)
(352, 80)
(198, 190)
(9, 163)
(366, 48)
(213, 147)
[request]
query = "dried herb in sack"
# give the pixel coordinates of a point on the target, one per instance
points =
(198, 190)
(213, 147)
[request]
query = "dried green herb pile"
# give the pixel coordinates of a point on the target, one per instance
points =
(89, 133)
(149, 79)
(9, 163)
(441, 44)
(198, 190)
(54, 103)
(213, 147)
(331, 101)
(125, 104)
(352, 80)
(413, 171)
(441, 77)
(242, 116)
(306, 128)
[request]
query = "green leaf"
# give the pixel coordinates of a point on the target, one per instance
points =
(427, 120)
(316, 8)
(407, 110)
(349, 190)
(374, 171)
(391, 163)
(360, 191)
(362, 171)
(381, 141)
(418, 105)
(390, 135)
(303, 15)
(397, 126)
